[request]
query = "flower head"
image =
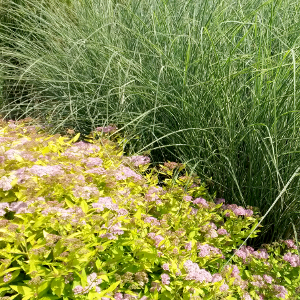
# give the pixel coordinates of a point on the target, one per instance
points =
(201, 202)
(165, 279)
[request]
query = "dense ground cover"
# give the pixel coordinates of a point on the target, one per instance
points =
(79, 220)
(210, 83)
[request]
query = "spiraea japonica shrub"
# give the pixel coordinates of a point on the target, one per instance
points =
(79, 220)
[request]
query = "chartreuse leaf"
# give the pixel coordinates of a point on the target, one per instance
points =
(43, 288)
(57, 286)
(247, 273)
(192, 234)
(94, 295)
(112, 287)
(22, 289)
(69, 203)
(138, 214)
(104, 277)
(84, 206)
(9, 270)
(287, 280)
(4, 289)
(75, 138)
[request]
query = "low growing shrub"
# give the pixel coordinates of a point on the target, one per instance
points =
(78, 220)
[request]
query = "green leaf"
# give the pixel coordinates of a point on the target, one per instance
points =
(82, 276)
(69, 203)
(168, 288)
(94, 295)
(112, 287)
(57, 286)
(43, 288)
(4, 289)
(130, 293)
(192, 234)
(9, 270)
(104, 277)
(278, 274)
(138, 214)
(84, 206)
(247, 273)
(98, 264)
(287, 280)
(38, 222)
(75, 138)
(22, 289)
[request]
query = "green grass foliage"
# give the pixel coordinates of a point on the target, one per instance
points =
(79, 220)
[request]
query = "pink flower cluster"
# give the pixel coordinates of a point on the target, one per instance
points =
(290, 244)
(238, 210)
(156, 238)
(293, 259)
(234, 270)
(7, 277)
(165, 279)
(99, 171)
(216, 278)
(224, 287)
(246, 296)
(261, 281)
(64, 213)
(13, 154)
(201, 202)
(195, 273)
(219, 201)
(79, 149)
(3, 206)
(247, 252)
(5, 183)
(105, 202)
(20, 174)
(113, 231)
(222, 231)
(122, 212)
(107, 129)
(187, 198)
(40, 171)
(123, 173)
(153, 221)
(194, 211)
(207, 250)
(210, 229)
(93, 282)
(188, 246)
(282, 291)
(139, 160)
(92, 161)
(153, 194)
(85, 192)
(19, 207)
(155, 286)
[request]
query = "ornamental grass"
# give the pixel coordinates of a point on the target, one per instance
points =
(212, 84)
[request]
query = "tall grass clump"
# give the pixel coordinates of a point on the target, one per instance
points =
(214, 84)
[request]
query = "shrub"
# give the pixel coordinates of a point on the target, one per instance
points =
(78, 220)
